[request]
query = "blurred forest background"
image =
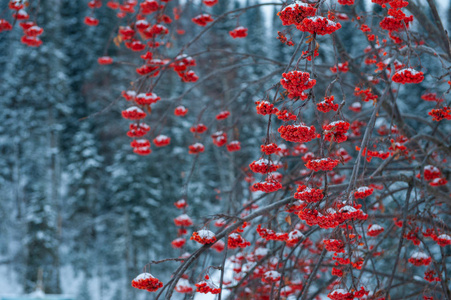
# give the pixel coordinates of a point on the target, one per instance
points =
(75, 200)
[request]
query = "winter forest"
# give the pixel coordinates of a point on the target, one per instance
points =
(225, 149)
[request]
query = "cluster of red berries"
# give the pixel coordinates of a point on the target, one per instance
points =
(30, 29)
(271, 277)
(265, 108)
(5, 25)
(363, 192)
(374, 230)
(223, 115)
(196, 148)
(370, 154)
(286, 116)
(31, 34)
(219, 138)
(323, 164)
(180, 111)
(105, 60)
(346, 2)
(294, 14)
(327, 105)
(210, 2)
(309, 195)
(420, 259)
(336, 131)
(296, 82)
(237, 241)
(133, 113)
(239, 32)
(300, 133)
(270, 148)
(161, 140)
(318, 25)
(431, 97)
(233, 146)
(199, 128)
(183, 220)
(333, 245)
(204, 237)
(183, 286)
(442, 240)
(391, 23)
(268, 186)
(365, 94)
(138, 130)
(263, 166)
(341, 67)
(430, 275)
(206, 286)
(440, 113)
(145, 281)
(271, 235)
(202, 20)
(178, 243)
(408, 76)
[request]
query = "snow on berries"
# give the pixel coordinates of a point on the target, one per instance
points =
(183, 220)
(145, 281)
(178, 243)
(310, 195)
(237, 241)
(223, 115)
(419, 259)
(265, 108)
(162, 140)
(300, 133)
(5, 25)
(271, 277)
(374, 230)
(268, 186)
(140, 143)
(138, 130)
(327, 105)
(202, 20)
(204, 237)
(133, 113)
(363, 192)
(183, 286)
(334, 245)
(322, 164)
(408, 75)
(146, 98)
(180, 111)
(318, 25)
(219, 138)
(336, 131)
(105, 60)
(443, 240)
(296, 82)
(263, 166)
(391, 23)
(233, 146)
(207, 286)
(196, 148)
(239, 32)
(293, 14)
(219, 246)
(340, 294)
(199, 128)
